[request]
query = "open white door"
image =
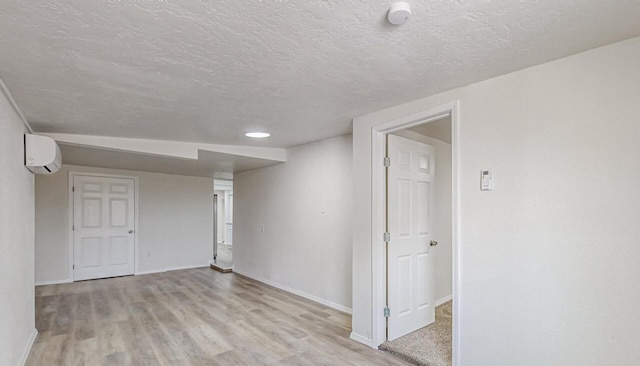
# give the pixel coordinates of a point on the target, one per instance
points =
(103, 220)
(411, 271)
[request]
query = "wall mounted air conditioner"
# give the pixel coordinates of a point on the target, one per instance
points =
(41, 154)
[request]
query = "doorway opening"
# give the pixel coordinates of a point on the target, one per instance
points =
(382, 313)
(222, 226)
(419, 245)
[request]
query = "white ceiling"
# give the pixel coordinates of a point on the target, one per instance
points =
(209, 164)
(173, 157)
(209, 70)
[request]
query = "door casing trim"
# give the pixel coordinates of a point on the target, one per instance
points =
(378, 217)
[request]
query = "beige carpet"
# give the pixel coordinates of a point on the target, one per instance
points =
(428, 346)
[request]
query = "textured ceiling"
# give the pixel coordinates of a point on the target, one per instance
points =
(208, 164)
(209, 70)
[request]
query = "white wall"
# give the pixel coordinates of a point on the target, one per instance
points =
(305, 208)
(442, 213)
(17, 298)
(548, 259)
(175, 222)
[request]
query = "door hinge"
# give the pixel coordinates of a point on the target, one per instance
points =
(386, 236)
(73, 228)
(386, 162)
(387, 312)
(73, 266)
(73, 189)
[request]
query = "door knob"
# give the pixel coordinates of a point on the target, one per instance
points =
(130, 231)
(433, 243)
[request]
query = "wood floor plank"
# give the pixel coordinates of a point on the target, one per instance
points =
(112, 346)
(190, 317)
(137, 344)
(230, 358)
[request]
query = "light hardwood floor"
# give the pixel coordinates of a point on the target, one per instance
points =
(190, 317)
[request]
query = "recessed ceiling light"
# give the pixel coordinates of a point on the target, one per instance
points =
(257, 135)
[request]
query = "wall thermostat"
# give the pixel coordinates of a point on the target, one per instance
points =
(486, 182)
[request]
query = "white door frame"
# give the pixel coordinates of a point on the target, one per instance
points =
(378, 256)
(72, 175)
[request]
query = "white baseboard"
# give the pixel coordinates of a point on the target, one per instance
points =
(68, 280)
(443, 300)
(149, 272)
(56, 282)
(171, 269)
(188, 267)
(324, 302)
(27, 350)
(364, 340)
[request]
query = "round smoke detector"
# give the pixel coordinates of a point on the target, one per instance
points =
(399, 13)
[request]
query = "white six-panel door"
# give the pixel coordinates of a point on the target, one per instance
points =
(103, 232)
(411, 272)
